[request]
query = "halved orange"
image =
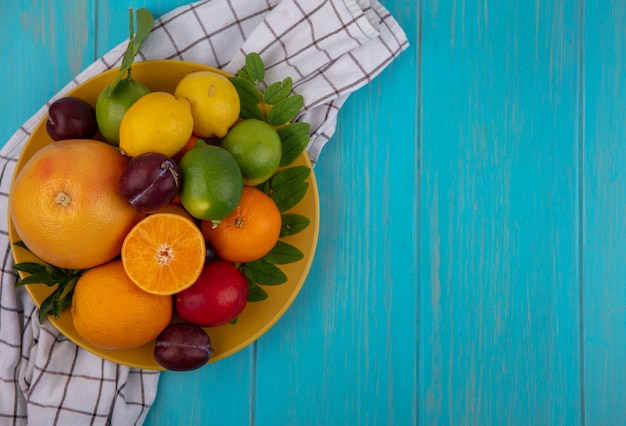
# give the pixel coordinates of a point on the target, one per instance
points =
(164, 253)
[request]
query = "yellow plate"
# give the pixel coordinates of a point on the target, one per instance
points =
(257, 317)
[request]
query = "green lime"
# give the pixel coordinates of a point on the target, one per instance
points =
(110, 108)
(257, 148)
(211, 182)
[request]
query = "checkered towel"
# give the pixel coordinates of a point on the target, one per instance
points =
(330, 48)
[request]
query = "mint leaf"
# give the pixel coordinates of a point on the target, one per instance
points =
(20, 243)
(49, 275)
(243, 74)
(289, 195)
(289, 176)
(45, 307)
(42, 278)
(278, 91)
(285, 110)
(294, 139)
(255, 69)
(256, 292)
(264, 273)
(68, 288)
(282, 254)
(145, 22)
(248, 94)
(251, 111)
(31, 267)
(293, 223)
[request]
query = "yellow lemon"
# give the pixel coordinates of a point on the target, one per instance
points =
(157, 122)
(214, 102)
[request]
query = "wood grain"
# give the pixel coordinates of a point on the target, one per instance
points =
(604, 212)
(37, 59)
(499, 272)
(470, 268)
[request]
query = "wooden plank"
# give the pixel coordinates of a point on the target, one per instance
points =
(218, 393)
(113, 19)
(345, 352)
(499, 276)
(38, 58)
(604, 212)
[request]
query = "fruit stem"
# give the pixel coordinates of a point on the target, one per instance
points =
(131, 36)
(62, 198)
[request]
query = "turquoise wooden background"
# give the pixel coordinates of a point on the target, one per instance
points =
(471, 262)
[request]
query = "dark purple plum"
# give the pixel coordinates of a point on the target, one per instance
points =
(150, 181)
(183, 347)
(71, 118)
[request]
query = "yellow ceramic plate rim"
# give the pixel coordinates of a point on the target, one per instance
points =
(258, 317)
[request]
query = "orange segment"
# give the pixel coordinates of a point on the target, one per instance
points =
(164, 253)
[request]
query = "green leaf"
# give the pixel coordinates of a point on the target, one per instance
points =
(294, 139)
(45, 307)
(290, 175)
(31, 267)
(264, 273)
(295, 128)
(68, 287)
(285, 110)
(251, 111)
(57, 302)
(278, 91)
(289, 187)
(255, 292)
(20, 243)
(289, 195)
(293, 223)
(44, 278)
(145, 23)
(246, 90)
(242, 73)
(265, 187)
(255, 67)
(282, 254)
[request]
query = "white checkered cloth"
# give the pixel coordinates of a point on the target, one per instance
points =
(329, 48)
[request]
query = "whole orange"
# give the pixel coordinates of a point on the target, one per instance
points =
(66, 206)
(109, 311)
(249, 232)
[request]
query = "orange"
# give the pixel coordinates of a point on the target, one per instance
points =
(111, 312)
(249, 232)
(164, 253)
(66, 206)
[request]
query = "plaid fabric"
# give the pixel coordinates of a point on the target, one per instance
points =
(329, 48)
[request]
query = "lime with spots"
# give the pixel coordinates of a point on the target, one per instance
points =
(256, 147)
(111, 107)
(211, 182)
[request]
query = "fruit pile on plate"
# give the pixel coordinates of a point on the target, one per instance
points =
(160, 214)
